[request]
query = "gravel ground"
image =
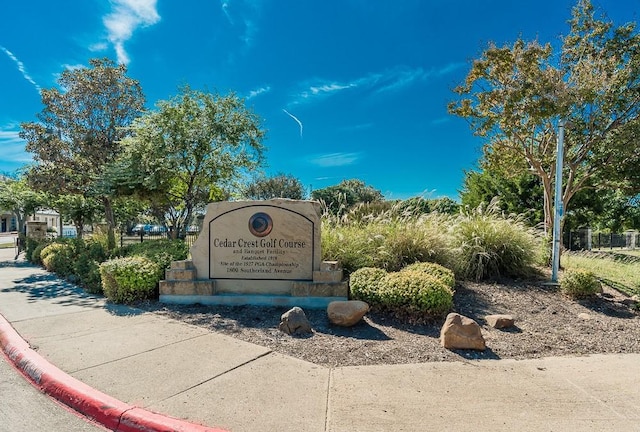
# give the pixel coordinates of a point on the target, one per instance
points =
(547, 324)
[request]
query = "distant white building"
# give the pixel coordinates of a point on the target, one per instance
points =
(51, 217)
(8, 222)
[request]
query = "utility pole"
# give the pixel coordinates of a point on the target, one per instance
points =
(559, 211)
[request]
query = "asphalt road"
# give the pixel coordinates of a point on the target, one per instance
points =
(24, 409)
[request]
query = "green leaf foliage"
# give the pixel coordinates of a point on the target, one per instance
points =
(442, 273)
(489, 245)
(59, 258)
(417, 292)
(515, 95)
(278, 186)
(579, 283)
(340, 198)
(129, 279)
(188, 151)
(162, 252)
(364, 284)
(79, 132)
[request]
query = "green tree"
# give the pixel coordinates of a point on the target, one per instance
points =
(278, 186)
(76, 208)
(346, 194)
(444, 205)
(21, 200)
(520, 194)
(78, 132)
(514, 96)
(188, 152)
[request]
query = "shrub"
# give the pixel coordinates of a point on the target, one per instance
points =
(88, 272)
(30, 246)
(442, 273)
(35, 256)
(579, 283)
(488, 245)
(412, 292)
(91, 253)
(415, 291)
(161, 252)
(129, 279)
(364, 284)
(59, 258)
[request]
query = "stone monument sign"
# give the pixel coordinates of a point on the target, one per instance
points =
(264, 252)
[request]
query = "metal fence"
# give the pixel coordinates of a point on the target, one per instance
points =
(143, 236)
(586, 239)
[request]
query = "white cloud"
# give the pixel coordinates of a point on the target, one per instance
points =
(258, 91)
(13, 147)
(248, 10)
(126, 17)
(335, 159)
(393, 79)
(21, 68)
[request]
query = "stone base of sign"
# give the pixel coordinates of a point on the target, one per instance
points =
(253, 300)
(181, 287)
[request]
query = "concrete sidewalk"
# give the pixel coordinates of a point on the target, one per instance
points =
(187, 372)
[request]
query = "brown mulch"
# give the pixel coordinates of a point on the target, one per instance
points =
(547, 324)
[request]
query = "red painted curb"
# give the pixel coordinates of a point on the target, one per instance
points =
(106, 410)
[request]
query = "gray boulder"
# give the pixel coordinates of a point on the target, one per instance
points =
(294, 321)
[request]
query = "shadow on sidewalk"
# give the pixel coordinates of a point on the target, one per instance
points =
(48, 286)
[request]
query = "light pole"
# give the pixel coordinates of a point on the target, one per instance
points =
(559, 211)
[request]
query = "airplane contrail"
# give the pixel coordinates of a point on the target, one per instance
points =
(295, 118)
(21, 68)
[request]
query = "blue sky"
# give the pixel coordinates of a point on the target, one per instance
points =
(346, 88)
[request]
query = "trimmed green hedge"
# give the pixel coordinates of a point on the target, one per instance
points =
(442, 273)
(365, 284)
(416, 292)
(129, 279)
(422, 290)
(59, 258)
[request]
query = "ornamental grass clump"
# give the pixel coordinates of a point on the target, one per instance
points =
(489, 244)
(386, 240)
(129, 279)
(579, 284)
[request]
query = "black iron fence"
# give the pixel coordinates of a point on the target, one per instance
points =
(586, 239)
(143, 236)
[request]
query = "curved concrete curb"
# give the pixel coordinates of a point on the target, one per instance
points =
(110, 412)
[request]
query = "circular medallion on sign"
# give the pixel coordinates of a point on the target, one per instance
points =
(260, 224)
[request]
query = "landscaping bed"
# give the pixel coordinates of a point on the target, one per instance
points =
(547, 324)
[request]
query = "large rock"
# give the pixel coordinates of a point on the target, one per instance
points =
(294, 321)
(500, 321)
(346, 313)
(460, 332)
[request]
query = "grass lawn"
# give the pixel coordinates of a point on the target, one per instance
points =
(620, 275)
